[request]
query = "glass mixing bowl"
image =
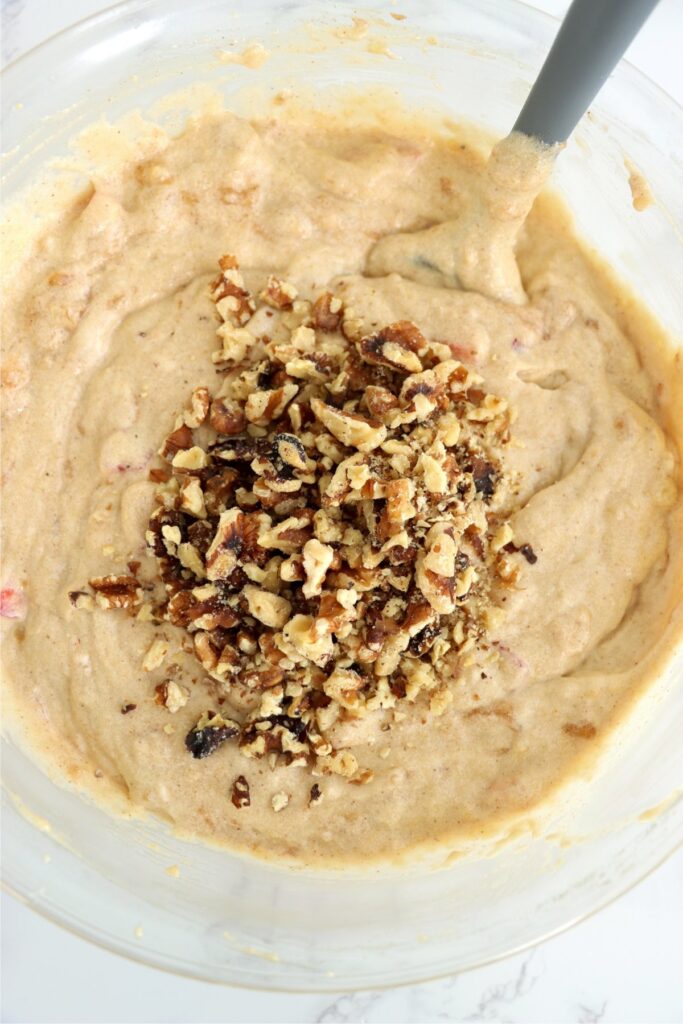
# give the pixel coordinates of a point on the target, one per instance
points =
(239, 921)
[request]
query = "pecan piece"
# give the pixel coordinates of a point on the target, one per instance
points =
(317, 559)
(311, 643)
(117, 591)
(200, 401)
(219, 491)
(397, 346)
(227, 418)
(237, 541)
(233, 302)
(288, 451)
(435, 571)
(352, 430)
(263, 679)
(290, 535)
(485, 477)
(380, 402)
(262, 407)
(268, 608)
(399, 508)
(171, 695)
(201, 608)
(327, 312)
(279, 294)
(177, 440)
(210, 732)
(240, 793)
(216, 655)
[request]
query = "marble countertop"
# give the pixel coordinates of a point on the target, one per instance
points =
(621, 966)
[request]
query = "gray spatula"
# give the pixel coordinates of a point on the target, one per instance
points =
(475, 250)
(592, 38)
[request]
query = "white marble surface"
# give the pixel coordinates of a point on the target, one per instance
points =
(622, 966)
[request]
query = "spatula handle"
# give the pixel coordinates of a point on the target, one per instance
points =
(592, 38)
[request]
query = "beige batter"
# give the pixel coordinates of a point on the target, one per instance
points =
(110, 325)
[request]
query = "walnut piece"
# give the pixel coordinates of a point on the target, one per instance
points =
(279, 801)
(240, 793)
(172, 695)
(268, 608)
(116, 591)
(351, 429)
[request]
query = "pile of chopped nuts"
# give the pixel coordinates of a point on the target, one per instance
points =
(323, 528)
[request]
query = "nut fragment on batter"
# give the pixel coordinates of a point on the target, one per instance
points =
(116, 591)
(240, 793)
(280, 801)
(155, 655)
(210, 732)
(172, 695)
(234, 303)
(278, 293)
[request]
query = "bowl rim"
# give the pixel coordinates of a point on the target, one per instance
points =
(138, 953)
(178, 970)
(121, 7)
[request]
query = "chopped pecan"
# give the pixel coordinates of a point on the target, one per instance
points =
(351, 429)
(237, 541)
(220, 659)
(210, 732)
(309, 367)
(380, 402)
(327, 312)
(227, 418)
(288, 451)
(192, 498)
(290, 535)
(171, 695)
(279, 294)
(177, 440)
(203, 607)
(398, 509)
(309, 641)
(155, 655)
(263, 679)
(268, 608)
(233, 301)
(317, 559)
(435, 571)
(262, 407)
(484, 476)
(199, 408)
(117, 591)
(397, 346)
(191, 459)
(240, 793)
(433, 472)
